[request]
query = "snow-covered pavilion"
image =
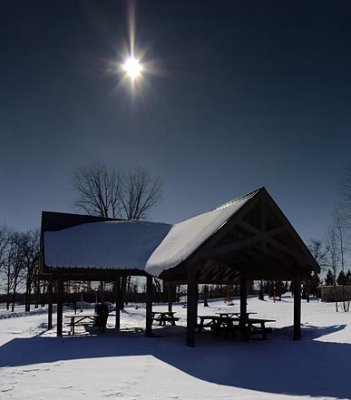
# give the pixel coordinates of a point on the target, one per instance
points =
(246, 238)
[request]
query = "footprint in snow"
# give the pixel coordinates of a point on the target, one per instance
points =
(130, 382)
(115, 394)
(18, 372)
(57, 364)
(6, 389)
(31, 370)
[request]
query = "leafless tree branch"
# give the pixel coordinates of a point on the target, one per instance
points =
(140, 194)
(98, 190)
(113, 194)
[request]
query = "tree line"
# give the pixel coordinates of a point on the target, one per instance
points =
(19, 266)
(332, 252)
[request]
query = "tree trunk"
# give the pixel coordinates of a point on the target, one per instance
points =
(37, 292)
(28, 292)
(8, 291)
(14, 295)
(27, 300)
(261, 293)
(8, 298)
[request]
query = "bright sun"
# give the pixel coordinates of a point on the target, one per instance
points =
(133, 68)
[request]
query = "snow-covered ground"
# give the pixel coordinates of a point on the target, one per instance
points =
(34, 364)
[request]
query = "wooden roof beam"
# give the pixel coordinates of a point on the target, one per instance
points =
(230, 248)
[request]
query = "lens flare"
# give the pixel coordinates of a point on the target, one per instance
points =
(132, 68)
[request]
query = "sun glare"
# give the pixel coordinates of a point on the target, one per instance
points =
(132, 68)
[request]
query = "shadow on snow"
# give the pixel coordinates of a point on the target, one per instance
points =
(306, 367)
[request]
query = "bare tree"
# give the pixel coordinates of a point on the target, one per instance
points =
(335, 251)
(99, 190)
(5, 263)
(112, 194)
(140, 193)
(29, 254)
(4, 269)
(332, 255)
(310, 285)
(19, 263)
(4, 241)
(345, 203)
(318, 252)
(14, 268)
(344, 215)
(339, 221)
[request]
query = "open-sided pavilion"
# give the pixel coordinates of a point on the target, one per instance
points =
(248, 238)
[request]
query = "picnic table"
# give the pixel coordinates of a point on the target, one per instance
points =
(207, 321)
(232, 314)
(227, 314)
(257, 326)
(164, 316)
(82, 318)
(233, 324)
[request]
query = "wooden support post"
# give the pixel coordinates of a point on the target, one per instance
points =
(297, 310)
(149, 292)
(170, 296)
(118, 302)
(123, 290)
(102, 292)
(50, 305)
(59, 303)
(243, 296)
(243, 306)
(192, 308)
(261, 292)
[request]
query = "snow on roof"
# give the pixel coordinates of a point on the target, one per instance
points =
(153, 247)
(106, 244)
(185, 237)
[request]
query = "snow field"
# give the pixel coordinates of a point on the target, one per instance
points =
(34, 364)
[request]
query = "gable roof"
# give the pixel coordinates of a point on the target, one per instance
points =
(222, 240)
(186, 237)
(257, 239)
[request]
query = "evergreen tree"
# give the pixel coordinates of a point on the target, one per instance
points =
(329, 280)
(314, 285)
(342, 279)
(310, 287)
(348, 277)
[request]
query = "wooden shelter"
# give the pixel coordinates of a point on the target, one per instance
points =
(61, 222)
(248, 238)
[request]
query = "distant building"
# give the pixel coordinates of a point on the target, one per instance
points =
(335, 293)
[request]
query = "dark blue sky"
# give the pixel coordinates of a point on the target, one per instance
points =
(239, 95)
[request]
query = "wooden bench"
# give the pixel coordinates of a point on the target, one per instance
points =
(257, 326)
(218, 324)
(234, 325)
(164, 316)
(80, 320)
